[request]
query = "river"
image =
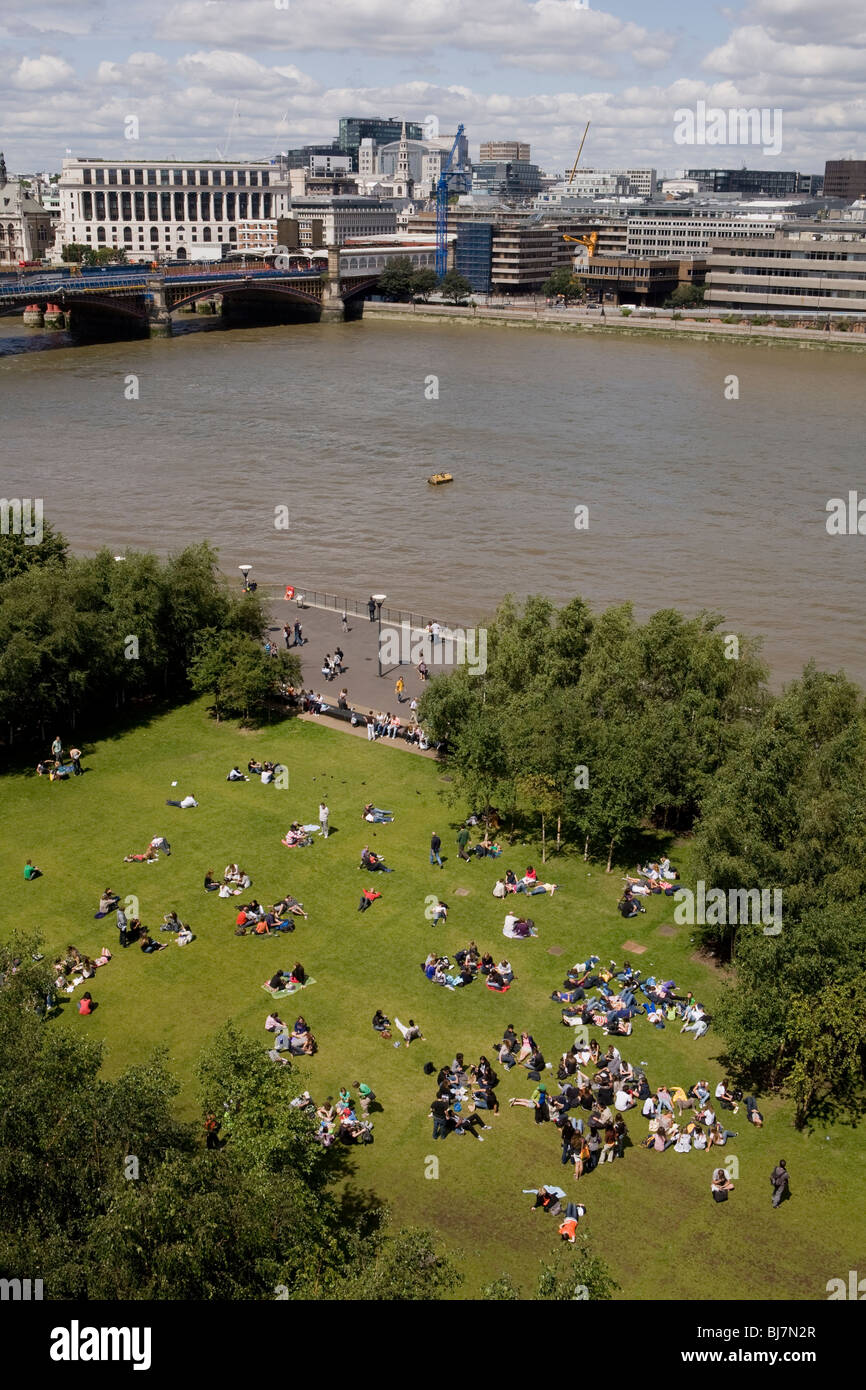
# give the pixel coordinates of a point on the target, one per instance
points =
(694, 501)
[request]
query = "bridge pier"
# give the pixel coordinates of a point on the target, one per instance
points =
(158, 316)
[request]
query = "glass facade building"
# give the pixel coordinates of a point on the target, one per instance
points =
(473, 253)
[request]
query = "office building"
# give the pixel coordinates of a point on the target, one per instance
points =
(805, 266)
(770, 183)
(473, 253)
(507, 179)
(342, 216)
(354, 129)
(494, 151)
(845, 178)
(640, 280)
(164, 206)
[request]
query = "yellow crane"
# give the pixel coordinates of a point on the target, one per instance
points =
(579, 152)
(590, 242)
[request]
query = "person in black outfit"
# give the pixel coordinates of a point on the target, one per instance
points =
(371, 608)
(439, 1111)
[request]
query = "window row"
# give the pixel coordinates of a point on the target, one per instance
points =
(177, 207)
(242, 178)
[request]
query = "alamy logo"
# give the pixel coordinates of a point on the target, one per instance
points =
(740, 125)
(77, 1343)
(20, 1290)
(739, 906)
(855, 1290)
(21, 517)
(454, 646)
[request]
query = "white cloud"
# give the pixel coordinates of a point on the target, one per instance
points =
(42, 73)
(532, 34)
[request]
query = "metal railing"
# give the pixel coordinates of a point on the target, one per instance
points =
(352, 607)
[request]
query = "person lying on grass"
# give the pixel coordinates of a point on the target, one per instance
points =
(375, 815)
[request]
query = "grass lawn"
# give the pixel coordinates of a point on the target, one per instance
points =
(651, 1216)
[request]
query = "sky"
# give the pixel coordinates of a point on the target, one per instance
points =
(243, 79)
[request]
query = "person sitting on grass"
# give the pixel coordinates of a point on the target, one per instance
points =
(211, 884)
(381, 1021)
(290, 904)
(236, 776)
(273, 1022)
(31, 871)
(86, 1004)
(439, 913)
(372, 862)
(296, 837)
(236, 876)
(171, 922)
(148, 945)
(184, 936)
(107, 903)
(628, 905)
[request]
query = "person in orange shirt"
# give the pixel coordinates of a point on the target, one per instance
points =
(568, 1227)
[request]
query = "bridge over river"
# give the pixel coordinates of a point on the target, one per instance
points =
(139, 302)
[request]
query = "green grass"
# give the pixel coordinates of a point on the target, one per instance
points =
(651, 1216)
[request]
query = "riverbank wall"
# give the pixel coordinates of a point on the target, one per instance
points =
(668, 329)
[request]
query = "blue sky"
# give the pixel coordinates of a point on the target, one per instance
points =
(254, 76)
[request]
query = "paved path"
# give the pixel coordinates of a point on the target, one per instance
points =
(322, 632)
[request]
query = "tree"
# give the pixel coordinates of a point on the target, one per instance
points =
(501, 1289)
(454, 287)
(18, 553)
(424, 282)
(237, 671)
(576, 1273)
(396, 279)
(74, 251)
(686, 296)
(787, 810)
(564, 282)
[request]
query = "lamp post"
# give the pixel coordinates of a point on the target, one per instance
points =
(245, 571)
(379, 599)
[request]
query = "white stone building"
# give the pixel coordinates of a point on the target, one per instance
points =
(165, 207)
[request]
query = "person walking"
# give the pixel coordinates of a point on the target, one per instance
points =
(287, 633)
(779, 1179)
(299, 638)
(398, 689)
(122, 926)
(371, 608)
(56, 749)
(435, 846)
(462, 842)
(75, 755)
(323, 818)
(338, 659)
(344, 621)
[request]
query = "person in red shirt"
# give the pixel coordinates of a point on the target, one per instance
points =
(368, 897)
(568, 1226)
(86, 1004)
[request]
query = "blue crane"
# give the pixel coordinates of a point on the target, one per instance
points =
(442, 210)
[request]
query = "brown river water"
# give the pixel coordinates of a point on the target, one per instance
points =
(695, 501)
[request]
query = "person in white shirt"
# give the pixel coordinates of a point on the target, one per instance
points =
(185, 804)
(684, 1142)
(323, 818)
(666, 870)
(650, 1109)
(623, 1100)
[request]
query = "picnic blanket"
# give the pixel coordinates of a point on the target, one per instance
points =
(290, 989)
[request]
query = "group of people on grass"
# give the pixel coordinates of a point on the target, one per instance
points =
(653, 878)
(299, 1041)
(468, 964)
(616, 1004)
